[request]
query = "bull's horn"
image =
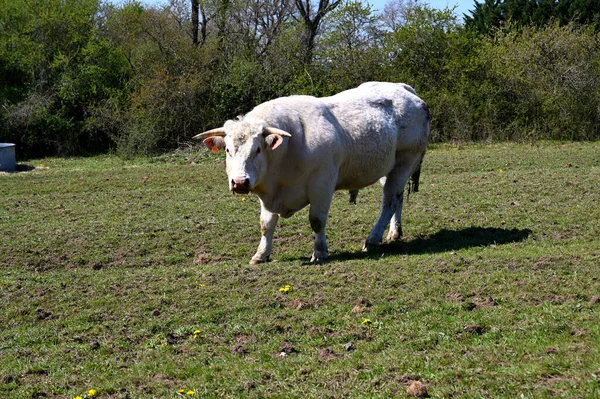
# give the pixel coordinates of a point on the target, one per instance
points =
(209, 133)
(274, 130)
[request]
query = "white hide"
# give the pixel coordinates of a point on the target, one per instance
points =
(346, 141)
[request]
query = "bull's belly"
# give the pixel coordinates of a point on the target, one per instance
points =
(362, 174)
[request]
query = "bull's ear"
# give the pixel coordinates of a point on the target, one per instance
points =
(273, 141)
(215, 144)
(274, 137)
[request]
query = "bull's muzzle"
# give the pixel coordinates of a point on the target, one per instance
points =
(240, 185)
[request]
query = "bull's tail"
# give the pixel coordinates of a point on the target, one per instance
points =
(414, 178)
(414, 181)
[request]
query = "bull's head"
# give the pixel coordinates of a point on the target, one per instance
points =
(247, 147)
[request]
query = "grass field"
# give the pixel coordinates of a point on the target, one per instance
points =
(131, 278)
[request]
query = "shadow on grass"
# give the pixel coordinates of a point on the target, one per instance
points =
(21, 167)
(442, 241)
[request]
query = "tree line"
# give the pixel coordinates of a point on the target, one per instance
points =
(89, 76)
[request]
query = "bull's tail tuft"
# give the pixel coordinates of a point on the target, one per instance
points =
(414, 180)
(413, 186)
(353, 195)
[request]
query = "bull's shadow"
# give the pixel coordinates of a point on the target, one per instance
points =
(442, 241)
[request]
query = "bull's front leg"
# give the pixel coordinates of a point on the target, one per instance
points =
(317, 224)
(268, 222)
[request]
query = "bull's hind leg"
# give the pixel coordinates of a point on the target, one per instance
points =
(396, 222)
(268, 222)
(391, 205)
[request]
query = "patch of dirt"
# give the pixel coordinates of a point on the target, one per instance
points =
(297, 304)
(239, 350)
(323, 332)
(203, 257)
(164, 379)
(285, 350)
(486, 302)
(327, 354)
(578, 332)
(350, 346)
(244, 338)
(173, 339)
(358, 309)
(475, 303)
(545, 261)
(475, 329)
(454, 297)
(417, 389)
(301, 304)
(361, 305)
(43, 314)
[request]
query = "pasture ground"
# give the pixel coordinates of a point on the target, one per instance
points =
(132, 278)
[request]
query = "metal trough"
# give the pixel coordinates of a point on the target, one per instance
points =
(8, 162)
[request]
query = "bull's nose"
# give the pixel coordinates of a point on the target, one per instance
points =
(240, 185)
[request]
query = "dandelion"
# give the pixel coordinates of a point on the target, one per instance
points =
(91, 392)
(366, 322)
(501, 171)
(285, 289)
(77, 397)
(190, 393)
(202, 285)
(243, 199)
(180, 391)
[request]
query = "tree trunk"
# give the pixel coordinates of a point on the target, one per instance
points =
(195, 21)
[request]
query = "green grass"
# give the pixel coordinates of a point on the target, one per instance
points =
(107, 267)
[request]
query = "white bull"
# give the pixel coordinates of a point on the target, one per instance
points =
(294, 151)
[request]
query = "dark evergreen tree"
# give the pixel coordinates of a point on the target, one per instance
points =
(491, 14)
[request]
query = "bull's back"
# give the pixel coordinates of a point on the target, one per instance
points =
(378, 120)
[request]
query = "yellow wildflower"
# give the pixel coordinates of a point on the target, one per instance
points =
(180, 391)
(366, 321)
(243, 198)
(190, 393)
(285, 289)
(77, 397)
(501, 171)
(91, 392)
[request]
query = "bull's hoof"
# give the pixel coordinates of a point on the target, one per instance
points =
(369, 245)
(393, 236)
(318, 257)
(257, 260)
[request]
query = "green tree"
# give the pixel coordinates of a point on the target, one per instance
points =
(349, 49)
(54, 70)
